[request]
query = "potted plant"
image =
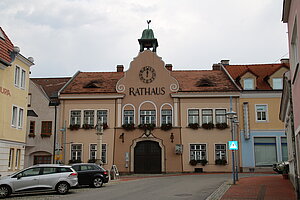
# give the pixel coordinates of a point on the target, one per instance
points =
(193, 162)
(166, 127)
(74, 127)
(128, 127)
(220, 161)
(145, 127)
(208, 125)
(87, 126)
(203, 162)
(92, 160)
(193, 125)
(221, 126)
(72, 161)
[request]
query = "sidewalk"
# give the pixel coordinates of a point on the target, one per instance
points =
(261, 188)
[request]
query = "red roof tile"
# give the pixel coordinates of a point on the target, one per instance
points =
(51, 85)
(6, 47)
(262, 71)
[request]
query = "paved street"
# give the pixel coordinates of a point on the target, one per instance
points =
(163, 187)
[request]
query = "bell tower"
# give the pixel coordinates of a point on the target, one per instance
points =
(147, 40)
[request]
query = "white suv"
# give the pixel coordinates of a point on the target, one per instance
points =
(39, 178)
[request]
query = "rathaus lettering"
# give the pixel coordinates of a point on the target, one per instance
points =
(147, 91)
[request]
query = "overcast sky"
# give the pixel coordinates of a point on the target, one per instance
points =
(64, 36)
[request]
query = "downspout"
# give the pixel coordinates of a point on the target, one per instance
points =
(54, 145)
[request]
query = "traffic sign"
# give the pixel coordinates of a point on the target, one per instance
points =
(233, 145)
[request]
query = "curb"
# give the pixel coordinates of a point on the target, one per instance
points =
(218, 193)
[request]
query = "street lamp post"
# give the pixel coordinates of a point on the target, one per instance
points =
(231, 115)
(236, 122)
(99, 133)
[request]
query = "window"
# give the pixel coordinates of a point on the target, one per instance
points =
(193, 116)
(49, 170)
(166, 116)
(31, 172)
(11, 158)
(284, 150)
(220, 151)
(277, 84)
(93, 152)
(147, 116)
(29, 100)
(261, 112)
(75, 117)
(248, 84)
(207, 116)
(20, 119)
(32, 127)
(14, 116)
(43, 159)
(102, 116)
(76, 151)
(220, 116)
(17, 76)
(88, 117)
(46, 127)
(18, 159)
(23, 77)
(128, 117)
(198, 152)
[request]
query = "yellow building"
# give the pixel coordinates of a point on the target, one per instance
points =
(14, 81)
(262, 135)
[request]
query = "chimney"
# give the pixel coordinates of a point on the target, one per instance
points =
(120, 68)
(225, 62)
(285, 61)
(169, 67)
(216, 67)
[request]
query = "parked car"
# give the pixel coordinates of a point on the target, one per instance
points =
(39, 178)
(281, 167)
(91, 174)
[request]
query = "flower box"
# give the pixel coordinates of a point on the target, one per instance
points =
(74, 127)
(46, 134)
(208, 126)
(193, 125)
(166, 127)
(221, 126)
(128, 127)
(147, 126)
(87, 126)
(220, 162)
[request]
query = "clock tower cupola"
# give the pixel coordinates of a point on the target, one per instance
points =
(148, 40)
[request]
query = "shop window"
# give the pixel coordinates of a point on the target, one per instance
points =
(265, 151)
(284, 150)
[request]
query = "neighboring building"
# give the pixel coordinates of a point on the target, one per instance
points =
(263, 139)
(290, 15)
(148, 94)
(43, 113)
(14, 82)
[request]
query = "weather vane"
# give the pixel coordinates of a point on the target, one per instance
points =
(148, 22)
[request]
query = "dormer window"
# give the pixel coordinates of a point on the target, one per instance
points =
(277, 84)
(248, 84)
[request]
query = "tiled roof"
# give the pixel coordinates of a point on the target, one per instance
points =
(189, 81)
(262, 71)
(51, 85)
(203, 81)
(94, 82)
(6, 47)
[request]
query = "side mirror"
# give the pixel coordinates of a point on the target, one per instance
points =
(19, 176)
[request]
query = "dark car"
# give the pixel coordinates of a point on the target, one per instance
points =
(91, 174)
(281, 167)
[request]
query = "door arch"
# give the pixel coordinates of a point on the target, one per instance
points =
(147, 157)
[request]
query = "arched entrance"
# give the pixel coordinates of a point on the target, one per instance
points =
(147, 157)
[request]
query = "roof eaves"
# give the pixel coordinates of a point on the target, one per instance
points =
(230, 77)
(71, 79)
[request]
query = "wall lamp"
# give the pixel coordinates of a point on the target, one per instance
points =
(122, 137)
(172, 137)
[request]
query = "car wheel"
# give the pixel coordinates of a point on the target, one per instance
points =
(97, 182)
(4, 191)
(62, 188)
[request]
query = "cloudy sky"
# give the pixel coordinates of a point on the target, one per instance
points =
(65, 36)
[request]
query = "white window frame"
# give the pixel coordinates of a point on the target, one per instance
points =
(104, 120)
(226, 157)
(147, 116)
(76, 152)
(17, 117)
(215, 115)
(206, 151)
(11, 158)
(274, 80)
(188, 116)
(18, 159)
(168, 117)
(126, 118)
(267, 114)
(104, 151)
(90, 120)
(76, 118)
(205, 116)
(17, 76)
(20, 77)
(244, 82)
